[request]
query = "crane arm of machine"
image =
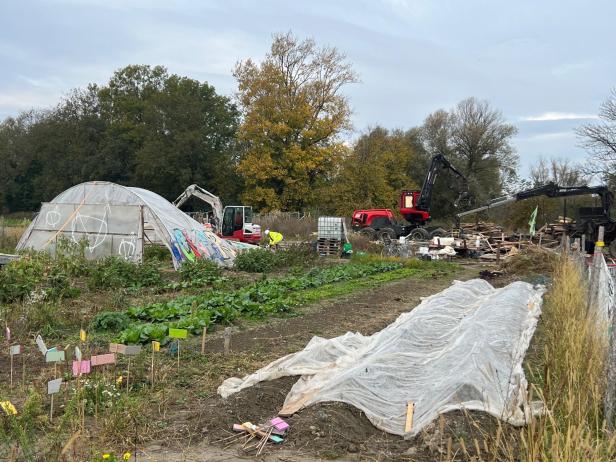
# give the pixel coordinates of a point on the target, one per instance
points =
(549, 190)
(207, 197)
(439, 161)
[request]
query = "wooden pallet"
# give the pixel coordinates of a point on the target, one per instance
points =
(329, 246)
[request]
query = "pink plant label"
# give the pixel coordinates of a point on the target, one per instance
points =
(85, 367)
(117, 348)
(279, 424)
(101, 360)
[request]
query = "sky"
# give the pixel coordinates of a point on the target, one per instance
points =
(546, 65)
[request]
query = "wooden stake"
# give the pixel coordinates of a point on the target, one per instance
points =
(227, 337)
(178, 355)
(410, 409)
(203, 340)
(10, 353)
(96, 404)
(152, 367)
(55, 369)
(128, 375)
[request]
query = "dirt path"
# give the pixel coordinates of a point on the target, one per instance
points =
(327, 431)
(366, 312)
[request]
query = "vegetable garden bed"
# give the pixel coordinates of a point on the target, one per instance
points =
(258, 300)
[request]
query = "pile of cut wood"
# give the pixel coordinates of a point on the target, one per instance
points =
(491, 242)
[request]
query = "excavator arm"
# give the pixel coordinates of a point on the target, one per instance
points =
(439, 161)
(549, 190)
(205, 196)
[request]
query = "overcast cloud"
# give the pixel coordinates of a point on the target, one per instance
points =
(546, 65)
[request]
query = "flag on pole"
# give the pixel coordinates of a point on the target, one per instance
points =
(532, 221)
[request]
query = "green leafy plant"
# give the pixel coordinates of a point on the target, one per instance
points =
(114, 272)
(258, 300)
(110, 320)
(199, 273)
(263, 261)
(37, 276)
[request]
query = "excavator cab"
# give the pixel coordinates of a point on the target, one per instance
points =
(233, 222)
(237, 224)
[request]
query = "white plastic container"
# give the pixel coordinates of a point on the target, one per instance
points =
(331, 228)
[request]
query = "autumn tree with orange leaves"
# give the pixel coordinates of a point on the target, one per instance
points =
(293, 114)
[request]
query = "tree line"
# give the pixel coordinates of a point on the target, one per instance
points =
(279, 144)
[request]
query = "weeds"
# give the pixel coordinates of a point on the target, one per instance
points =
(114, 272)
(263, 261)
(570, 376)
(36, 276)
(199, 273)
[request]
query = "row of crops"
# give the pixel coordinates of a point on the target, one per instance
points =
(257, 300)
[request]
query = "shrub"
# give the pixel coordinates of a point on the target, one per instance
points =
(110, 320)
(36, 275)
(256, 261)
(263, 261)
(156, 253)
(114, 272)
(199, 272)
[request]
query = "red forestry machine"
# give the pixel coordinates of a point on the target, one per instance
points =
(414, 206)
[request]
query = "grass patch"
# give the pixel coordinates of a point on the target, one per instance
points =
(375, 280)
(566, 368)
(264, 260)
(569, 376)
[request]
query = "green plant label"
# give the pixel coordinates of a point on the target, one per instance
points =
(54, 356)
(178, 333)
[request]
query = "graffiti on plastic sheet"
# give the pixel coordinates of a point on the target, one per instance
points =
(82, 223)
(183, 245)
(52, 217)
(176, 252)
(205, 245)
(204, 249)
(127, 248)
(214, 245)
(192, 245)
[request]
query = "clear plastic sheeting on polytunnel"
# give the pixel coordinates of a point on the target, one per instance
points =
(459, 349)
(115, 220)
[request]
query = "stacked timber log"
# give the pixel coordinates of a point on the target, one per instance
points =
(492, 242)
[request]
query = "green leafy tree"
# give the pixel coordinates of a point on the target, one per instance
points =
(376, 170)
(294, 111)
(173, 131)
(146, 127)
(477, 140)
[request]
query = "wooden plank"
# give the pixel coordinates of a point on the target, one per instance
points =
(410, 410)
